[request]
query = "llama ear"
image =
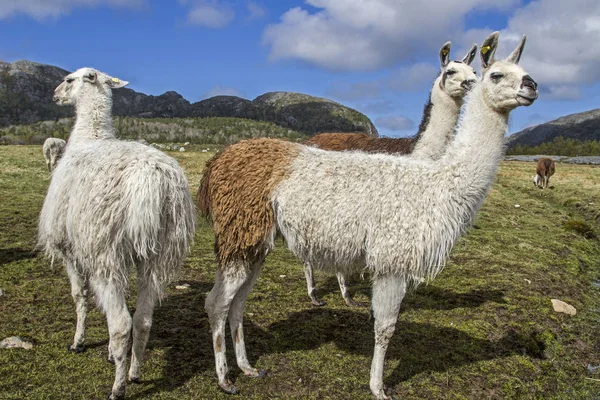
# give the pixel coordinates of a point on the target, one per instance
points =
(488, 49)
(90, 77)
(445, 54)
(515, 56)
(470, 55)
(116, 83)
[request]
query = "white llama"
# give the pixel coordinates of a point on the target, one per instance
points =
(113, 207)
(53, 149)
(437, 128)
(394, 216)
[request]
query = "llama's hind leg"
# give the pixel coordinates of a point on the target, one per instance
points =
(236, 318)
(228, 281)
(79, 292)
(388, 292)
(345, 292)
(142, 322)
(310, 285)
(111, 298)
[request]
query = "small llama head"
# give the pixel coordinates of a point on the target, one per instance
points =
(457, 77)
(83, 82)
(505, 85)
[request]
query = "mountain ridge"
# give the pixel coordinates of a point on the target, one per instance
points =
(26, 89)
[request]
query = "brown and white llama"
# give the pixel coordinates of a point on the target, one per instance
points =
(394, 216)
(437, 127)
(544, 170)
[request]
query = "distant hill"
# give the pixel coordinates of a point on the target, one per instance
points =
(583, 126)
(26, 90)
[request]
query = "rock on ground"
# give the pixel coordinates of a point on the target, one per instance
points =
(15, 342)
(562, 307)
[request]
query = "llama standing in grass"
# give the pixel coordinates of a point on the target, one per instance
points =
(53, 149)
(394, 216)
(544, 170)
(437, 128)
(113, 207)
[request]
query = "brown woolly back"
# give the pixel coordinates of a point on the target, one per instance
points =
(361, 142)
(545, 167)
(235, 192)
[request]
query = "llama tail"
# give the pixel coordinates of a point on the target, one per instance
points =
(203, 198)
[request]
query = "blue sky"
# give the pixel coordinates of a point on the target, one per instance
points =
(378, 56)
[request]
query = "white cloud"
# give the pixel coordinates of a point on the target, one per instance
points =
(348, 35)
(255, 9)
(397, 123)
(221, 91)
(209, 13)
(40, 9)
(563, 47)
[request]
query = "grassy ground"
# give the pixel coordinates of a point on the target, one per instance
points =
(484, 328)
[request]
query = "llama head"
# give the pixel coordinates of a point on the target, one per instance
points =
(82, 83)
(457, 77)
(505, 84)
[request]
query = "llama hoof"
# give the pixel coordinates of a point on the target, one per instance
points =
(135, 380)
(110, 359)
(353, 303)
(116, 397)
(228, 387)
(256, 373)
(76, 349)
(318, 303)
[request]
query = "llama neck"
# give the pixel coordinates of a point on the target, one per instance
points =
(438, 125)
(478, 147)
(94, 118)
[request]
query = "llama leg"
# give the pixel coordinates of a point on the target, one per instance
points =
(227, 284)
(111, 298)
(344, 289)
(48, 165)
(79, 291)
(388, 292)
(142, 321)
(310, 285)
(236, 318)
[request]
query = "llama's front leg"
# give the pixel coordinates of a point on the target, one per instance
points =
(227, 285)
(310, 285)
(236, 324)
(547, 182)
(388, 292)
(111, 298)
(79, 292)
(142, 322)
(345, 293)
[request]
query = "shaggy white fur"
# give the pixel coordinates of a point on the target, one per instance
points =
(325, 211)
(113, 207)
(53, 149)
(437, 129)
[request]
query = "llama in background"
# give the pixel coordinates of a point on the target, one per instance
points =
(53, 149)
(395, 216)
(113, 207)
(544, 170)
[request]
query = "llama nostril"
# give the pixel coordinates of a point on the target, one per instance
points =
(55, 98)
(529, 82)
(468, 84)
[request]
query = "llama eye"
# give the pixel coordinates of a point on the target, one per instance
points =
(496, 76)
(451, 72)
(69, 80)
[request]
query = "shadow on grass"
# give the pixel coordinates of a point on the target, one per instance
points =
(426, 297)
(181, 328)
(9, 255)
